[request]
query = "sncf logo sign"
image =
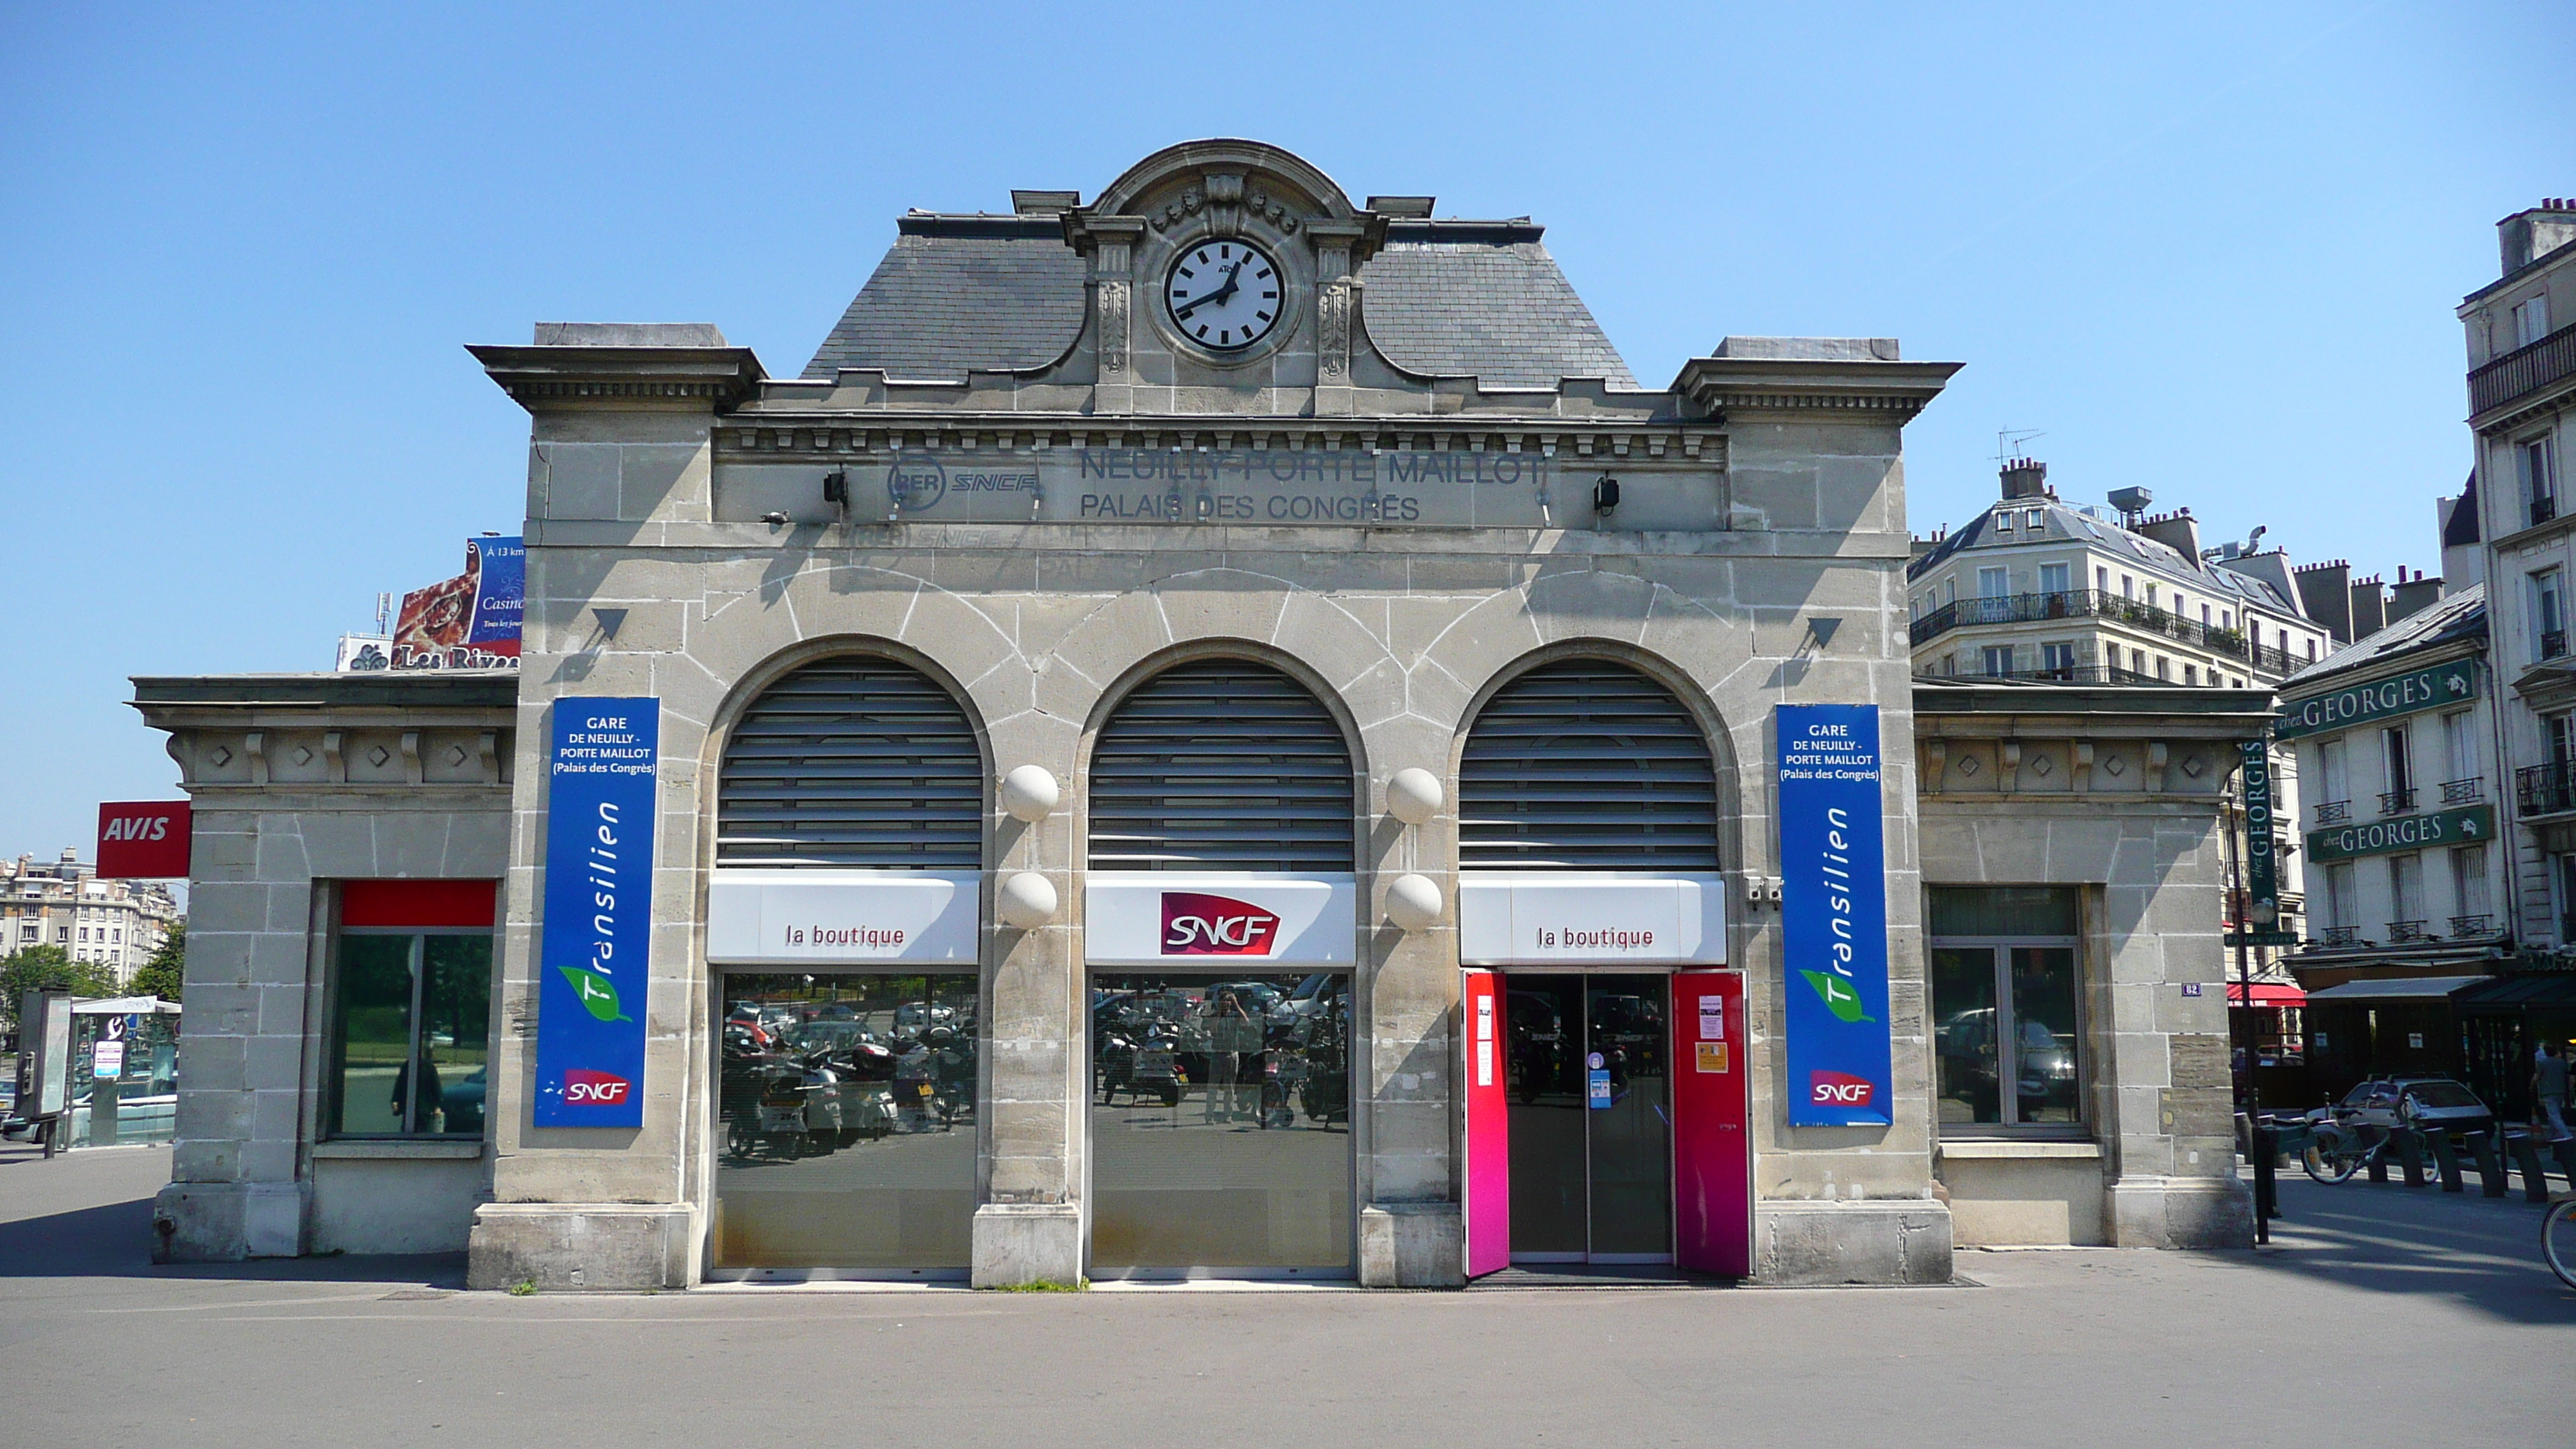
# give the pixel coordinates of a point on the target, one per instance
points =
(1195, 924)
(1839, 1089)
(586, 1088)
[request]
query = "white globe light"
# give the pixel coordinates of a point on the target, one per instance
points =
(1415, 795)
(1029, 793)
(1025, 901)
(1413, 902)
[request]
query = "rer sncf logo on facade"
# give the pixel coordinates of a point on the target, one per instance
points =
(1197, 924)
(1840, 1089)
(586, 1088)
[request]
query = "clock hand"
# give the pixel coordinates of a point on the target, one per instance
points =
(1233, 281)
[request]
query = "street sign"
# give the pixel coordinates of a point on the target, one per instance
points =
(2262, 938)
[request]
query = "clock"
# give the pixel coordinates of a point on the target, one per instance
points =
(1224, 295)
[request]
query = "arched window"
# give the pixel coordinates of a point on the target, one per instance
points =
(852, 762)
(1222, 765)
(1586, 765)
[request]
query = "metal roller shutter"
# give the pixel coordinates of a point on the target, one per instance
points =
(1221, 766)
(1586, 765)
(852, 762)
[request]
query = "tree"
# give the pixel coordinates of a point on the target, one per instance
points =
(167, 971)
(50, 968)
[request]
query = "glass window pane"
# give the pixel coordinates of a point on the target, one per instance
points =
(455, 1034)
(1544, 1015)
(848, 1105)
(1220, 1124)
(2047, 1088)
(371, 1035)
(1631, 1138)
(1963, 1015)
(2001, 910)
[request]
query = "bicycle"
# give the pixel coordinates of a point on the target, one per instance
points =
(2337, 1150)
(2558, 1238)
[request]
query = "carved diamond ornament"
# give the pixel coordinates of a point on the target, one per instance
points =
(2114, 765)
(304, 754)
(221, 757)
(379, 755)
(456, 754)
(2040, 767)
(1967, 764)
(2192, 766)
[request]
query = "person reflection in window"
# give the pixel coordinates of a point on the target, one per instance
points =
(424, 1109)
(1232, 1033)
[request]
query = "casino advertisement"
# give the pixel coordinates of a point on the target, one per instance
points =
(470, 621)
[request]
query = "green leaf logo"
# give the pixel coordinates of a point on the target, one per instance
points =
(1837, 995)
(599, 994)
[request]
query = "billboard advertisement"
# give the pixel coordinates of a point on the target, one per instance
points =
(1833, 916)
(470, 621)
(593, 947)
(143, 840)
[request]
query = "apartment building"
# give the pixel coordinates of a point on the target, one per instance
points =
(62, 902)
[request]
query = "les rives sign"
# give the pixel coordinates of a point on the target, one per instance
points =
(2431, 688)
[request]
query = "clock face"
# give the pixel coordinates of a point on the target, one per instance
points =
(1224, 295)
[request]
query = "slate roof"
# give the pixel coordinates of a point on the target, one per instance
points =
(954, 292)
(1448, 298)
(2446, 621)
(1482, 300)
(2060, 521)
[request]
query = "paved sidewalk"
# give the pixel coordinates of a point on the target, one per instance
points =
(2383, 1316)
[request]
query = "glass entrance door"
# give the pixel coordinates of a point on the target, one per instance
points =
(1590, 1119)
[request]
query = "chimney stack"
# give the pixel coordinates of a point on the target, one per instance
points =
(2325, 592)
(2026, 478)
(2177, 530)
(2527, 236)
(2412, 596)
(2369, 607)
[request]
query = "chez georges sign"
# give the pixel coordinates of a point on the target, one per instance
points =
(805, 917)
(1590, 918)
(1154, 918)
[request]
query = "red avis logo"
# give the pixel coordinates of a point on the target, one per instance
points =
(1205, 925)
(1839, 1089)
(586, 1088)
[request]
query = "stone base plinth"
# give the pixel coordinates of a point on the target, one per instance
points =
(569, 1247)
(1017, 1244)
(225, 1222)
(2180, 1212)
(1412, 1245)
(1821, 1243)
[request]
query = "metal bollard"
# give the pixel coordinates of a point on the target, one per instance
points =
(2526, 1156)
(2446, 1157)
(2565, 1152)
(2489, 1146)
(2410, 1156)
(2267, 1185)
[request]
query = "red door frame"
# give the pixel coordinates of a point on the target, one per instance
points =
(1484, 1075)
(1712, 1143)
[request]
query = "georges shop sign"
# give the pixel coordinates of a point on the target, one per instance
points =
(807, 917)
(1590, 918)
(2432, 688)
(1283, 486)
(2406, 832)
(593, 945)
(1833, 916)
(1146, 918)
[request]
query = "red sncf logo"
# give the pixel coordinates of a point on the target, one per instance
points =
(1205, 925)
(1839, 1089)
(586, 1088)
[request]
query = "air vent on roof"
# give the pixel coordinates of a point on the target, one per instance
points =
(1222, 765)
(1586, 765)
(852, 762)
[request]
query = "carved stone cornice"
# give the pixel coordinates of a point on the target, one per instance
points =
(1852, 390)
(623, 379)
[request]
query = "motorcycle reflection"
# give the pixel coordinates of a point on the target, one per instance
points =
(786, 1104)
(1141, 1057)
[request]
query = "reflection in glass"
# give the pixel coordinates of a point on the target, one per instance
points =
(1591, 1146)
(371, 1035)
(1963, 1015)
(410, 1026)
(1631, 1137)
(1220, 1123)
(2043, 1001)
(455, 1031)
(1545, 1022)
(848, 1111)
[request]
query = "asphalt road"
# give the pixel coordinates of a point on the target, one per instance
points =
(2384, 1315)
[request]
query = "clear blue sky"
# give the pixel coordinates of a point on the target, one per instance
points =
(2211, 250)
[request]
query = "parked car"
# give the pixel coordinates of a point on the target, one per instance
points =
(2424, 1103)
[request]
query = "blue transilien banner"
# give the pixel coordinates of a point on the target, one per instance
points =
(1833, 915)
(595, 938)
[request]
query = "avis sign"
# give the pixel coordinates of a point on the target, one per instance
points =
(143, 841)
(1833, 916)
(592, 952)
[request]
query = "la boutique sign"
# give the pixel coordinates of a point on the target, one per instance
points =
(1590, 918)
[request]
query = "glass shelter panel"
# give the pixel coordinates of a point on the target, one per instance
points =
(1220, 1124)
(848, 1118)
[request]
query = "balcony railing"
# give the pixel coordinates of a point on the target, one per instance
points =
(2393, 801)
(2334, 812)
(2465, 927)
(2464, 792)
(2063, 674)
(2545, 789)
(2339, 936)
(2408, 931)
(2097, 604)
(2523, 371)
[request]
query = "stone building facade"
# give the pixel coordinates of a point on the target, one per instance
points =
(1316, 568)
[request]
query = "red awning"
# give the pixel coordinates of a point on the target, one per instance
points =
(2266, 994)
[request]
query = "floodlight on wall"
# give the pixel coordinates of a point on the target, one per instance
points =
(1030, 794)
(1413, 902)
(610, 621)
(1025, 900)
(1605, 497)
(1415, 795)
